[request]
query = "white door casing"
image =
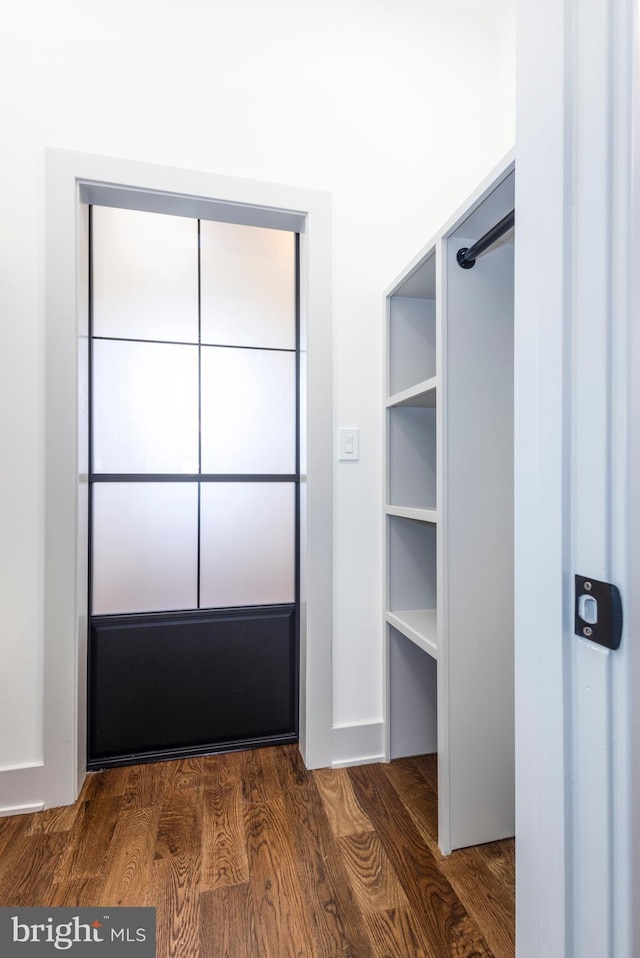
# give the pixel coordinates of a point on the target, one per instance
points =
(73, 180)
(577, 230)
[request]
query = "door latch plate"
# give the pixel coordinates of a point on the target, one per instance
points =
(598, 612)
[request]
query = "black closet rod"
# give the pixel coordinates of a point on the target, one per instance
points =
(467, 255)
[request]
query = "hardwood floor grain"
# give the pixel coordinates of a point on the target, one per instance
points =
(128, 865)
(428, 767)
(373, 880)
(279, 906)
(227, 927)
(486, 899)
(13, 829)
(339, 928)
(76, 893)
(249, 855)
(260, 781)
(33, 865)
(224, 843)
(178, 863)
(394, 934)
(344, 814)
(418, 797)
(178, 907)
(218, 771)
(54, 820)
(113, 782)
(90, 835)
(442, 920)
(188, 773)
(146, 785)
(501, 860)
(180, 824)
(479, 875)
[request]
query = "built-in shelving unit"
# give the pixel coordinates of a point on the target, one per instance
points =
(412, 583)
(411, 497)
(409, 512)
(448, 606)
(421, 395)
(419, 625)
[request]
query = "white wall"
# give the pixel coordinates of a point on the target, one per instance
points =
(397, 108)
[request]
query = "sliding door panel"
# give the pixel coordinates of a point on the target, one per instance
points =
(193, 487)
(211, 681)
(248, 286)
(247, 553)
(248, 411)
(145, 407)
(145, 547)
(145, 275)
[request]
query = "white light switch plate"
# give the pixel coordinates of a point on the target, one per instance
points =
(349, 442)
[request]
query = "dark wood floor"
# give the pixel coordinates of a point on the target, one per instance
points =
(248, 855)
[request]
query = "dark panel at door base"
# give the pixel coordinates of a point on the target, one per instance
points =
(168, 684)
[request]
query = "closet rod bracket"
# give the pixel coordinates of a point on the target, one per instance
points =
(465, 263)
(467, 256)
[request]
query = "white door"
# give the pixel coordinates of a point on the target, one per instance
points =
(577, 454)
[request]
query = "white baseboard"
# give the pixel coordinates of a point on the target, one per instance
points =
(361, 744)
(8, 810)
(21, 790)
(349, 762)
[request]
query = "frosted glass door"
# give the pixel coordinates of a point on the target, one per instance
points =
(248, 411)
(248, 286)
(145, 407)
(247, 531)
(145, 276)
(194, 484)
(145, 547)
(165, 403)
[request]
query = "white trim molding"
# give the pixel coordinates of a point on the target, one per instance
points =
(22, 789)
(73, 179)
(577, 230)
(358, 744)
(540, 481)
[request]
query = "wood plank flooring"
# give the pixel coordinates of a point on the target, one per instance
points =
(249, 855)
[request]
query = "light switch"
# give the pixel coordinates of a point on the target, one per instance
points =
(348, 443)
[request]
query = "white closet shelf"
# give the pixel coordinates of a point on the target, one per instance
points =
(447, 674)
(410, 512)
(418, 625)
(422, 394)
